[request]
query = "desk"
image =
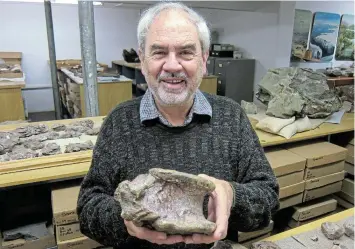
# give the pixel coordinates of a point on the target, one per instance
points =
(313, 225)
(57, 171)
(11, 102)
(133, 71)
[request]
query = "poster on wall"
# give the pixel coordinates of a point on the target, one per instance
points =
(301, 26)
(324, 35)
(345, 43)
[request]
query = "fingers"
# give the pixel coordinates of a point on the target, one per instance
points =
(152, 236)
(200, 239)
(222, 215)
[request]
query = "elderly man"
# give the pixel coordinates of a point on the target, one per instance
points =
(176, 126)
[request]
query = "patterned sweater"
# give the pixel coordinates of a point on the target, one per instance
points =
(224, 146)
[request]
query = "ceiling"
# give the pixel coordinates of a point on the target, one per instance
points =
(253, 6)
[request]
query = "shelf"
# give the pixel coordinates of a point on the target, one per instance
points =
(340, 81)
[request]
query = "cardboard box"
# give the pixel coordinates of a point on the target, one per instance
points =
(350, 155)
(244, 236)
(291, 190)
(78, 243)
(290, 179)
(68, 231)
(11, 58)
(324, 170)
(349, 168)
(291, 201)
(324, 180)
(294, 223)
(64, 204)
(284, 162)
(322, 191)
(343, 203)
(348, 187)
(346, 197)
(314, 208)
(318, 153)
(44, 242)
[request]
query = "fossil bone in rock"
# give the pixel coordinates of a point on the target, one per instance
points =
(331, 230)
(166, 200)
(74, 147)
(264, 245)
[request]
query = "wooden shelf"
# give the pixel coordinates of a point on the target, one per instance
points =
(340, 81)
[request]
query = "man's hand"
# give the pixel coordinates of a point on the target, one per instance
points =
(219, 205)
(152, 236)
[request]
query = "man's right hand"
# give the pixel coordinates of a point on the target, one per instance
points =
(155, 237)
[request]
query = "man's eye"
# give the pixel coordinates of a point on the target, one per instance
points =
(158, 53)
(186, 52)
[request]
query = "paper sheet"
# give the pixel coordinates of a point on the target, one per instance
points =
(336, 117)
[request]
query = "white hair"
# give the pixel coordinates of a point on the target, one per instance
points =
(149, 15)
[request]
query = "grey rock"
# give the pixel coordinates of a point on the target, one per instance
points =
(346, 93)
(339, 247)
(58, 127)
(50, 149)
(264, 245)
(222, 245)
(331, 230)
(4, 158)
(76, 129)
(7, 141)
(349, 228)
(166, 200)
(52, 135)
(33, 144)
(297, 92)
(20, 152)
(86, 123)
(93, 132)
(30, 130)
(75, 147)
(249, 107)
(314, 238)
(69, 134)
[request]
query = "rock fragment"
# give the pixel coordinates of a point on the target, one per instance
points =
(93, 132)
(51, 149)
(314, 238)
(33, 144)
(7, 141)
(166, 200)
(58, 127)
(86, 123)
(75, 147)
(331, 230)
(30, 130)
(264, 245)
(20, 152)
(349, 228)
(249, 107)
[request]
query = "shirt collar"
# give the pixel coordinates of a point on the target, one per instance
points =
(149, 111)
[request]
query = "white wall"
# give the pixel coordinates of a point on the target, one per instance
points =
(25, 31)
(339, 7)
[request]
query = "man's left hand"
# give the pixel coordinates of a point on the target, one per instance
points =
(219, 206)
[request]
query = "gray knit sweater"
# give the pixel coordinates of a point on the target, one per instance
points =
(224, 146)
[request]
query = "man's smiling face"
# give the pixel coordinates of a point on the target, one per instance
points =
(172, 61)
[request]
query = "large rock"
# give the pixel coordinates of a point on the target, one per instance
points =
(7, 141)
(297, 92)
(264, 245)
(31, 130)
(166, 200)
(332, 231)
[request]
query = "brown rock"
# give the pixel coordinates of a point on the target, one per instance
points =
(349, 228)
(264, 245)
(93, 132)
(75, 147)
(58, 127)
(331, 230)
(51, 149)
(86, 123)
(166, 200)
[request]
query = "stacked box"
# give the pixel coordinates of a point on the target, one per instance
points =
(66, 222)
(312, 210)
(244, 237)
(289, 168)
(324, 171)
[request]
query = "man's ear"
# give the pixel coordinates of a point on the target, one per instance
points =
(204, 62)
(141, 59)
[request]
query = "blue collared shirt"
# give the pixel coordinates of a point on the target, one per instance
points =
(149, 111)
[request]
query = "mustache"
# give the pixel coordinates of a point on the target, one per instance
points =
(180, 75)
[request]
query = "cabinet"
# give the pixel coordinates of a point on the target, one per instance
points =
(235, 77)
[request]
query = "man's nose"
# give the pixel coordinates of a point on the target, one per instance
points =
(172, 64)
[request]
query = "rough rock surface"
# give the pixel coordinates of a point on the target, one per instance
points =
(77, 129)
(331, 230)
(4, 158)
(166, 200)
(75, 147)
(264, 245)
(51, 149)
(30, 130)
(52, 135)
(69, 134)
(58, 127)
(249, 107)
(20, 152)
(7, 141)
(346, 93)
(297, 92)
(349, 228)
(338, 71)
(93, 132)
(222, 245)
(33, 144)
(86, 123)
(339, 247)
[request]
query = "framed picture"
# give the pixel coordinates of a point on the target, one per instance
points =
(301, 27)
(345, 43)
(324, 35)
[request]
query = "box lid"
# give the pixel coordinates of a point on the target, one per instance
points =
(314, 208)
(11, 57)
(283, 161)
(318, 153)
